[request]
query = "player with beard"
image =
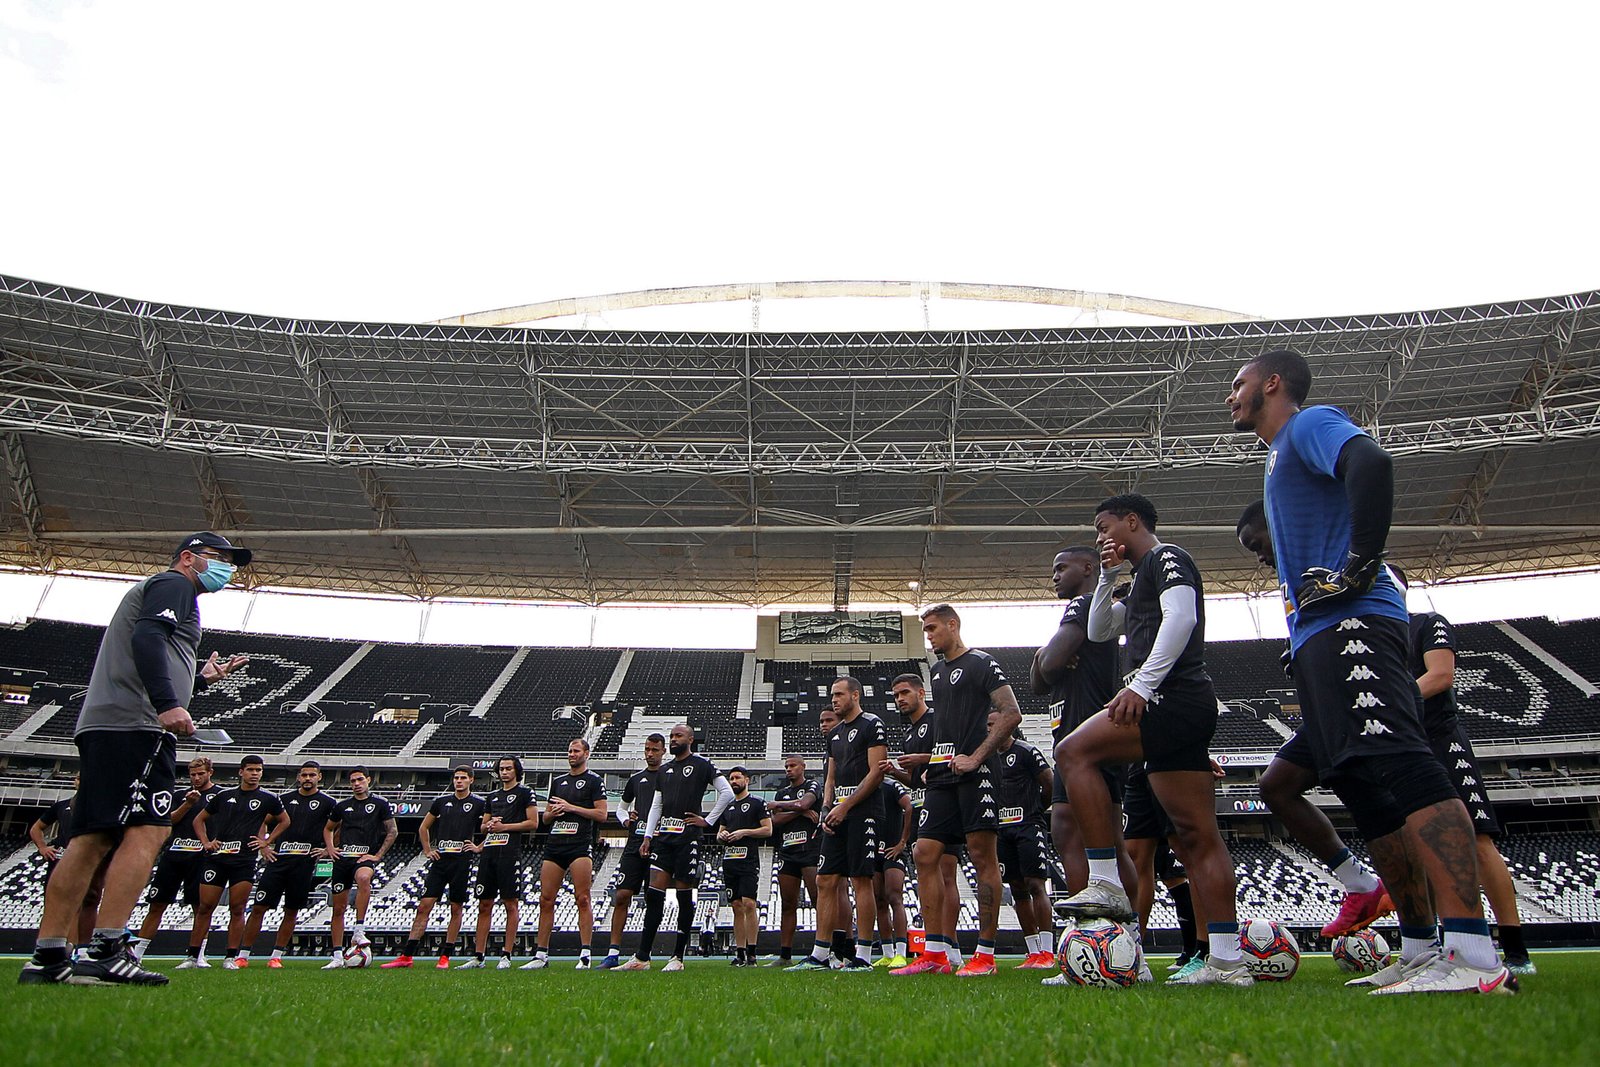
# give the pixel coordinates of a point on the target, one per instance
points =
(857, 747)
(1080, 677)
(672, 834)
(509, 812)
(359, 820)
(909, 768)
(796, 810)
(637, 794)
(889, 882)
(1025, 789)
(232, 830)
(1330, 501)
(178, 870)
(745, 823)
(573, 813)
(963, 772)
(447, 835)
(838, 945)
(296, 846)
(1163, 717)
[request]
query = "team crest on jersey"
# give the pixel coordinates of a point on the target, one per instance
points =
(1272, 461)
(371, 808)
(1011, 759)
(955, 676)
(687, 771)
(852, 735)
(581, 784)
(254, 804)
(745, 806)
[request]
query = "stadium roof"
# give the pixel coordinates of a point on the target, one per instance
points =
(750, 467)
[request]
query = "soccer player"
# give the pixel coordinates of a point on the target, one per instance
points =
(1080, 677)
(179, 868)
(447, 835)
(1026, 784)
(745, 822)
(146, 673)
(1330, 499)
(232, 830)
(1433, 662)
(296, 846)
(511, 810)
(962, 775)
(637, 794)
(1163, 717)
(573, 813)
(672, 834)
(910, 768)
(839, 940)
(857, 746)
(57, 818)
(889, 881)
(1292, 773)
(359, 820)
(796, 810)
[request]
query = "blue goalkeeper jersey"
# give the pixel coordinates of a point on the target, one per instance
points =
(1309, 514)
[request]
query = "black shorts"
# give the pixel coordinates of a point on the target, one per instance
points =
(128, 778)
(227, 871)
(678, 855)
(1168, 869)
(566, 854)
(901, 863)
(1297, 750)
(1177, 728)
(289, 879)
(500, 873)
(1461, 764)
(795, 866)
(950, 813)
(1115, 778)
(1357, 695)
(852, 850)
(635, 868)
(176, 872)
(741, 880)
(1023, 852)
(344, 874)
(1142, 814)
(448, 875)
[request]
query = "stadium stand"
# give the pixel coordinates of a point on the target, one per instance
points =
(447, 674)
(521, 718)
(1562, 871)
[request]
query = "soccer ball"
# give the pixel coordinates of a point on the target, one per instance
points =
(1099, 953)
(358, 955)
(1361, 952)
(1270, 952)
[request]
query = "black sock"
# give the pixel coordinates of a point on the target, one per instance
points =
(56, 954)
(194, 952)
(449, 950)
(655, 902)
(750, 952)
(786, 953)
(411, 947)
(1511, 941)
(685, 921)
(478, 956)
(843, 947)
(1183, 902)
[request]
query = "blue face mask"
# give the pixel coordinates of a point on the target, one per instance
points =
(216, 575)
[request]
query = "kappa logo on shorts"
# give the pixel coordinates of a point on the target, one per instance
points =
(1362, 673)
(1374, 727)
(1351, 624)
(1367, 700)
(1355, 648)
(1474, 798)
(1469, 781)
(1455, 746)
(1463, 765)
(1481, 815)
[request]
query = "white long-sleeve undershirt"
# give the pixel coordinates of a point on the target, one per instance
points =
(724, 798)
(1105, 614)
(1179, 615)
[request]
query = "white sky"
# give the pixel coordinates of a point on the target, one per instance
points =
(407, 161)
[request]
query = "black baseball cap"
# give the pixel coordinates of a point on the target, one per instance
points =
(207, 539)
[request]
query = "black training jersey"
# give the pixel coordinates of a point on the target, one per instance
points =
(1020, 799)
(456, 821)
(1165, 567)
(1430, 632)
(640, 790)
(962, 690)
(361, 824)
(889, 794)
(307, 816)
(509, 806)
(919, 739)
(683, 784)
(1089, 686)
(234, 816)
(849, 746)
(799, 835)
(745, 813)
(584, 790)
(58, 817)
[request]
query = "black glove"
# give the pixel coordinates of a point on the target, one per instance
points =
(1286, 660)
(1319, 585)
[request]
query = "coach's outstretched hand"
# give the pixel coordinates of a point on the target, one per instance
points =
(1319, 585)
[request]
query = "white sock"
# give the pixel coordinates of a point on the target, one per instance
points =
(542, 954)
(1354, 875)
(1224, 946)
(900, 949)
(243, 954)
(1475, 950)
(360, 930)
(952, 948)
(615, 950)
(1031, 941)
(277, 953)
(1106, 870)
(820, 951)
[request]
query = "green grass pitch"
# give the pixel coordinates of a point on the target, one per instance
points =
(714, 1014)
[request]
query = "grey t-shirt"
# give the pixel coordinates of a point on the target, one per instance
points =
(117, 697)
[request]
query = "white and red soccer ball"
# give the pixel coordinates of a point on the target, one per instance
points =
(1100, 953)
(1269, 950)
(1361, 952)
(358, 955)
